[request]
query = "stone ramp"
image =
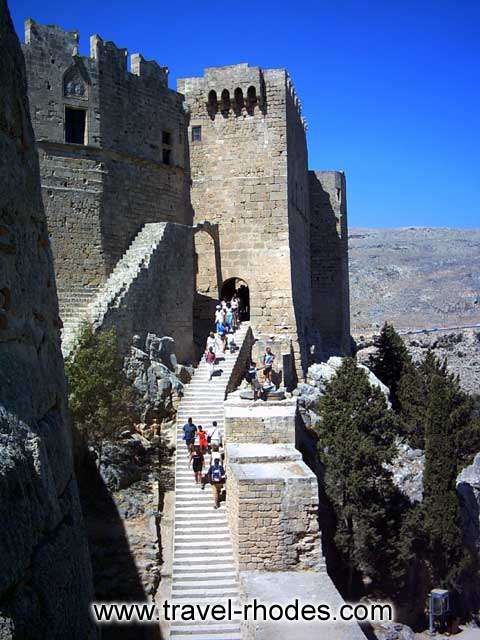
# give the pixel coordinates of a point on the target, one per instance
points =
(93, 306)
(203, 564)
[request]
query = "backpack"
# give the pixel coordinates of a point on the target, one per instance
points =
(216, 474)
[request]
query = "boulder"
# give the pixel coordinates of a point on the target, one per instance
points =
(319, 374)
(392, 631)
(151, 371)
(468, 490)
(407, 471)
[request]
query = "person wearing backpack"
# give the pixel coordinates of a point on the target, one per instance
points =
(214, 454)
(216, 475)
(196, 460)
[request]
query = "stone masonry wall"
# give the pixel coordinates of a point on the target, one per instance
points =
(117, 181)
(299, 221)
(329, 260)
(159, 299)
(259, 422)
(272, 512)
(239, 181)
(45, 575)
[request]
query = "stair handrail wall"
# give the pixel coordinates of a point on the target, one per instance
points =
(239, 368)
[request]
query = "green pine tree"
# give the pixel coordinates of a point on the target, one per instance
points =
(356, 439)
(100, 399)
(390, 360)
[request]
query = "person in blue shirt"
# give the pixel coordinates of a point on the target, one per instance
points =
(189, 431)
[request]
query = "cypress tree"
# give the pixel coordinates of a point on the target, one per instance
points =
(390, 360)
(440, 505)
(356, 439)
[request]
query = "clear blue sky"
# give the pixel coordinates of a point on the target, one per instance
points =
(390, 88)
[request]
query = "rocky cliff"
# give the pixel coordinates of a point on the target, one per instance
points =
(45, 575)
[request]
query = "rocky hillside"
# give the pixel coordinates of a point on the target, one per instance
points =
(416, 278)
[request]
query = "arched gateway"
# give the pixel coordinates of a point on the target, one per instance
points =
(240, 287)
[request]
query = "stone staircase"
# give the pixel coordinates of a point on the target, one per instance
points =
(90, 304)
(203, 565)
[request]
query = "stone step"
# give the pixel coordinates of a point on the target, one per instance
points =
(196, 584)
(224, 635)
(210, 576)
(214, 628)
(206, 594)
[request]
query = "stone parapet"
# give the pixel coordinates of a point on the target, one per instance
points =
(260, 422)
(272, 508)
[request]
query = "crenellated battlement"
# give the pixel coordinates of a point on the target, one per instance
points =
(51, 36)
(64, 44)
(296, 101)
(148, 68)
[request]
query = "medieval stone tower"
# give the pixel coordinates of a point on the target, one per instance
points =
(280, 233)
(212, 179)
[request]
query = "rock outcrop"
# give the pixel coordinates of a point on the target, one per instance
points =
(45, 574)
(318, 375)
(468, 489)
(407, 471)
(156, 376)
(392, 631)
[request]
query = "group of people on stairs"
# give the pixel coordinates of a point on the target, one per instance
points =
(201, 444)
(227, 321)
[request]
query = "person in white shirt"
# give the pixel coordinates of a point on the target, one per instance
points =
(211, 342)
(219, 315)
(214, 436)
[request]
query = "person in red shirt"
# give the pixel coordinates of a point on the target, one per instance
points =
(202, 439)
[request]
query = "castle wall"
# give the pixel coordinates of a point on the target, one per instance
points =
(45, 575)
(329, 260)
(156, 298)
(299, 221)
(239, 181)
(118, 180)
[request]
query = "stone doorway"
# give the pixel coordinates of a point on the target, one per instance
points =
(240, 287)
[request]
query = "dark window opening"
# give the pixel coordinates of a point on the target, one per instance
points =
(196, 134)
(75, 120)
(166, 137)
(166, 156)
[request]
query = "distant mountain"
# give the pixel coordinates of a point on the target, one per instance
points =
(417, 278)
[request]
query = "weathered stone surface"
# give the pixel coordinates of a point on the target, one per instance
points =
(263, 422)
(319, 374)
(282, 587)
(157, 386)
(468, 489)
(393, 631)
(250, 182)
(407, 471)
(45, 575)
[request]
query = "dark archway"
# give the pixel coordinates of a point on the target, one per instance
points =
(240, 287)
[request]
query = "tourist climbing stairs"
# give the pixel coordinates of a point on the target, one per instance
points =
(203, 565)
